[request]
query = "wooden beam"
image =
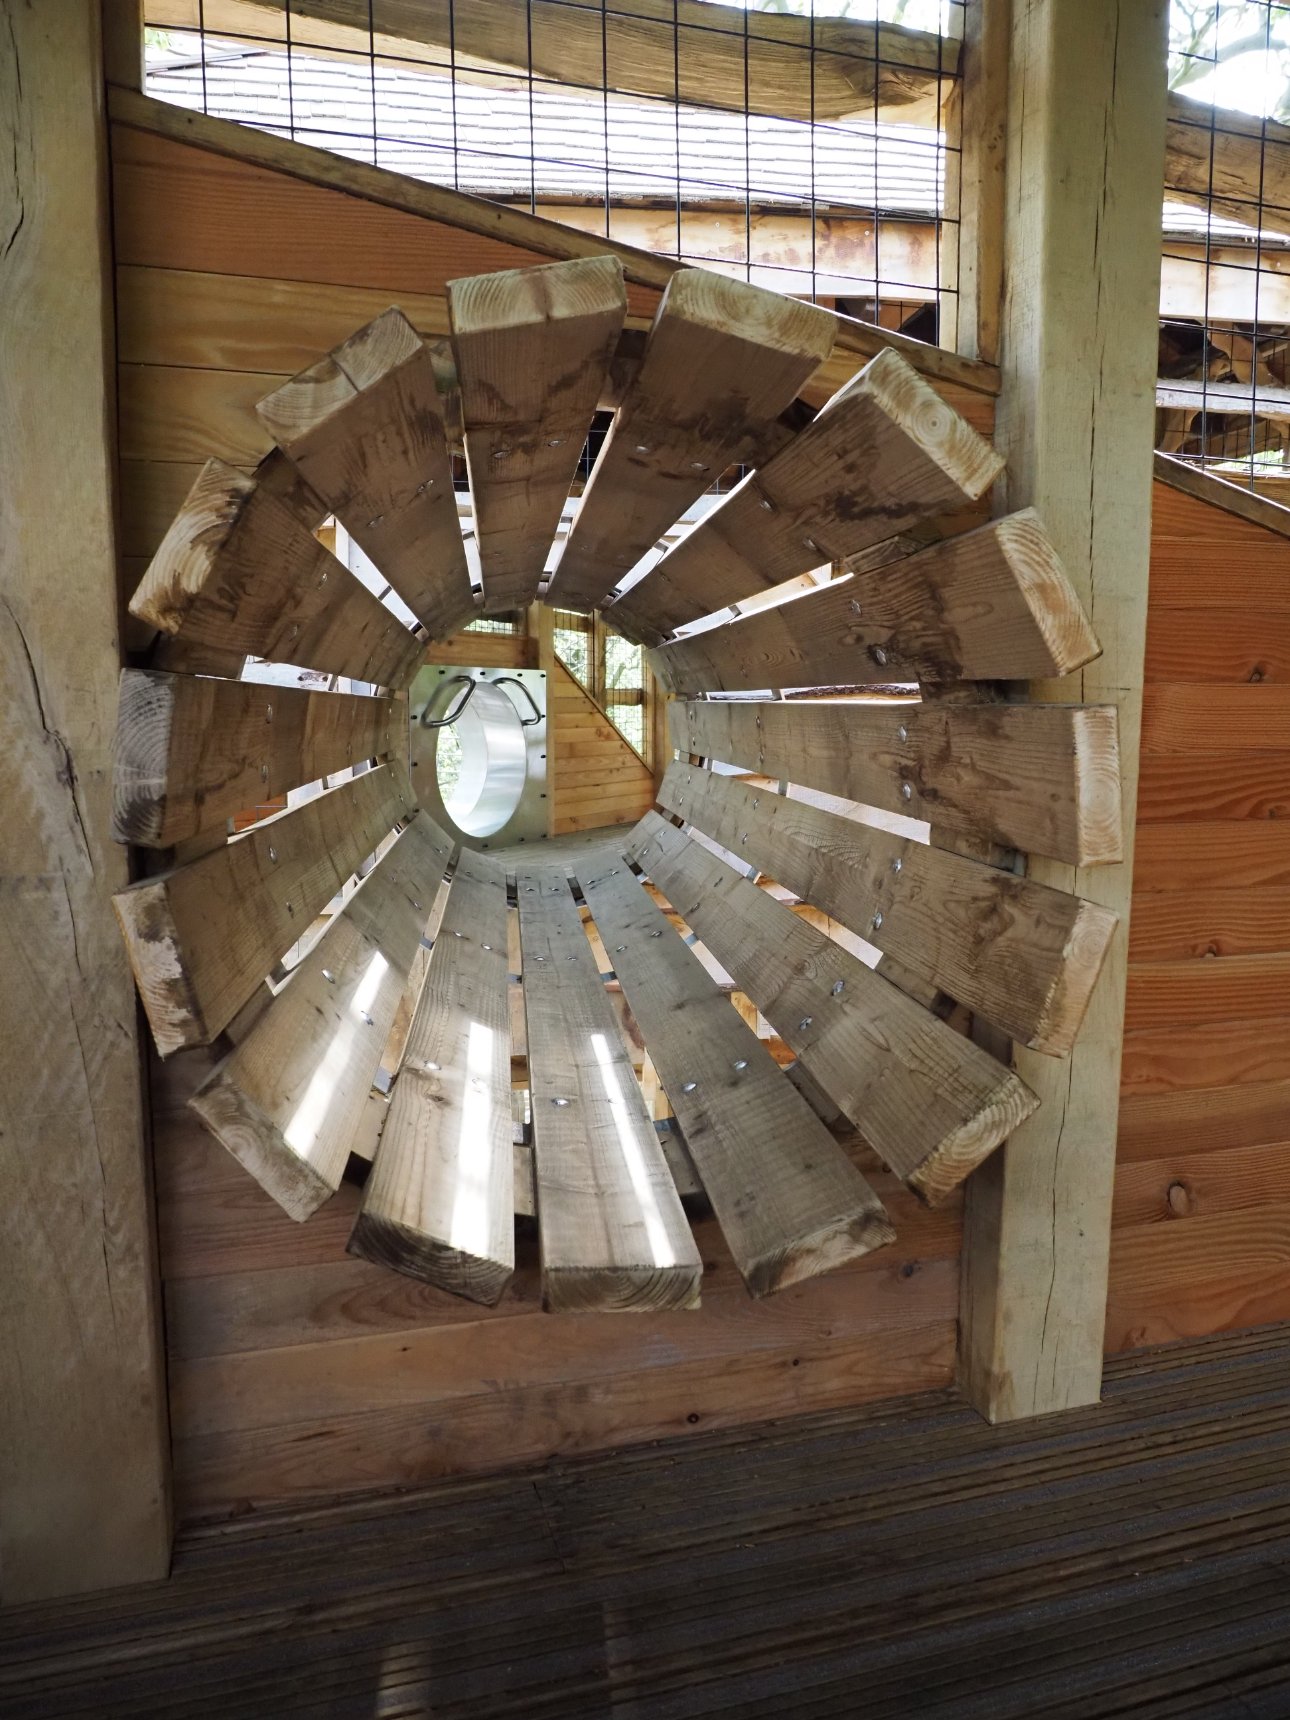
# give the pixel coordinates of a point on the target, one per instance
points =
(1221, 492)
(970, 318)
(614, 1237)
(790, 1203)
(1236, 164)
(885, 454)
(84, 1453)
(288, 1101)
(365, 428)
(533, 350)
(440, 1201)
(1085, 148)
(1024, 956)
(722, 361)
(855, 340)
(203, 936)
(987, 605)
(238, 570)
(1260, 400)
(930, 1103)
(191, 751)
(677, 50)
(1041, 778)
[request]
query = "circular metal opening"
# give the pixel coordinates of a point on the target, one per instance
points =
(480, 763)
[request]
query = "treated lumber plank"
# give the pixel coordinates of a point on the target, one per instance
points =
(84, 1452)
(1186, 787)
(202, 937)
(930, 1103)
(1229, 1053)
(1190, 993)
(1044, 778)
(239, 570)
(440, 1201)
(365, 428)
(288, 1100)
(722, 361)
(1212, 854)
(614, 1237)
(1024, 956)
(676, 50)
(885, 454)
(1233, 644)
(992, 604)
(1203, 1120)
(191, 751)
(1216, 719)
(533, 350)
(1219, 492)
(790, 1203)
(1173, 926)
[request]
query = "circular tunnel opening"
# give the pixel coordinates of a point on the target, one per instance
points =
(480, 763)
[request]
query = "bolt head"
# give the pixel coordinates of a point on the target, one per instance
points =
(906, 791)
(804, 1023)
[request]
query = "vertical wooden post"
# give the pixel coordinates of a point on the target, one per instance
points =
(1085, 155)
(83, 1450)
(981, 102)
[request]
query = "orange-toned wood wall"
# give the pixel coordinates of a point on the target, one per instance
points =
(1202, 1206)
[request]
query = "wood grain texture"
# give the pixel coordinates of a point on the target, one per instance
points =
(1216, 719)
(365, 428)
(1231, 644)
(614, 1237)
(1023, 956)
(202, 937)
(722, 361)
(1203, 1120)
(790, 1203)
(440, 1201)
(533, 350)
(190, 752)
(84, 1458)
(1189, 993)
(286, 1101)
(238, 570)
(885, 454)
(931, 1104)
(1185, 788)
(1217, 1053)
(1044, 778)
(1174, 926)
(1216, 854)
(991, 604)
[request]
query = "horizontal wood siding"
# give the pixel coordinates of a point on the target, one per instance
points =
(597, 778)
(1202, 1216)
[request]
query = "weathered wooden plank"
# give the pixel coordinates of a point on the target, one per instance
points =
(1024, 956)
(239, 570)
(202, 937)
(931, 1104)
(533, 349)
(885, 454)
(1044, 778)
(790, 1203)
(365, 428)
(614, 1237)
(440, 1201)
(190, 751)
(992, 604)
(722, 361)
(287, 1101)
(84, 1452)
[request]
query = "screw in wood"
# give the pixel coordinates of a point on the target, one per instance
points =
(876, 922)
(329, 976)
(839, 986)
(805, 1022)
(906, 791)
(688, 1086)
(878, 654)
(741, 1063)
(897, 863)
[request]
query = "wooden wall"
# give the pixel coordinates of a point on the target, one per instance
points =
(1201, 1239)
(597, 777)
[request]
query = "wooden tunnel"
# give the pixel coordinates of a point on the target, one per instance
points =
(813, 724)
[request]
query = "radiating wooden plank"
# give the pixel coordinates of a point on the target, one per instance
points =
(287, 1101)
(991, 604)
(202, 937)
(613, 1234)
(884, 454)
(932, 1104)
(722, 361)
(440, 1201)
(191, 751)
(1024, 956)
(365, 427)
(239, 570)
(533, 349)
(1044, 778)
(791, 1205)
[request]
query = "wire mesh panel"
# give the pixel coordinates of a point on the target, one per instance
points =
(803, 145)
(1222, 396)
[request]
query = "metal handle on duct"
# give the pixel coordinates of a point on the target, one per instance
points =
(428, 722)
(525, 722)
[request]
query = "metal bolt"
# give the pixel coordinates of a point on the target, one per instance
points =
(902, 733)
(290, 908)
(767, 504)
(268, 713)
(554, 441)
(906, 791)
(688, 1086)
(421, 488)
(323, 577)
(839, 986)
(619, 948)
(367, 1018)
(743, 840)
(697, 466)
(416, 904)
(876, 922)
(539, 958)
(571, 958)
(500, 453)
(811, 544)
(458, 934)
(804, 1023)
(375, 522)
(329, 976)
(642, 448)
(264, 773)
(559, 1101)
(878, 654)
(433, 1068)
(656, 934)
(897, 863)
(488, 946)
(855, 606)
(741, 1063)
(273, 855)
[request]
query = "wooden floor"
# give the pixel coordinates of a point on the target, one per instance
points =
(895, 1561)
